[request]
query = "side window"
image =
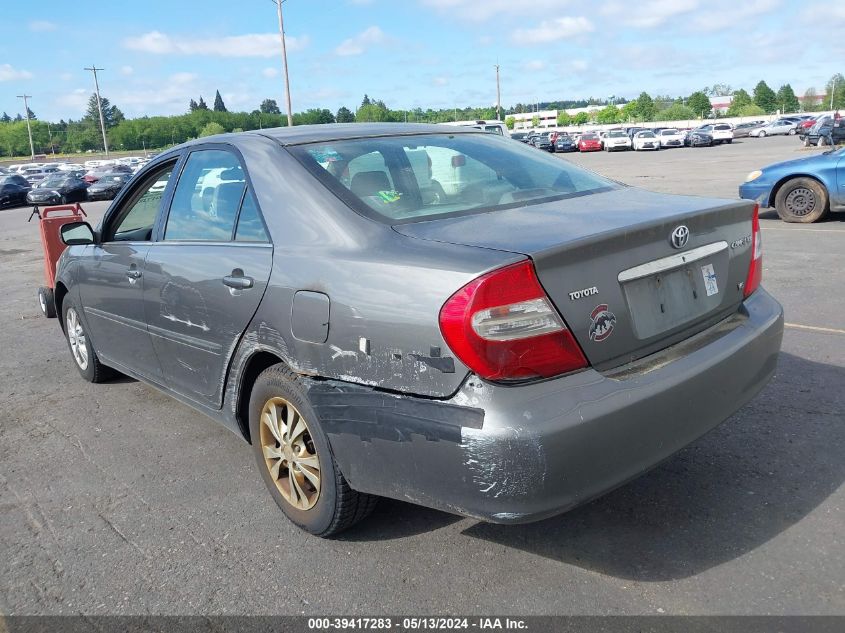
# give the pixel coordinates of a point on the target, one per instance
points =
(135, 222)
(207, 198)
(250, 227)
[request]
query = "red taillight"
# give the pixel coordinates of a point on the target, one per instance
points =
(503, 327)
(755, 269)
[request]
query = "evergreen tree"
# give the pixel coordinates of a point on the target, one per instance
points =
(765, 97)
(31, 114)
(219, 106)
(5, 118)
(366, 101)
(344, 115)
(192, 106)
(269, 106)
(201, 104)
(18, 117)
(787, 101)
(111, 114)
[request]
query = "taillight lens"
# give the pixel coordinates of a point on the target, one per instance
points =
(755, 269)
(503, 327)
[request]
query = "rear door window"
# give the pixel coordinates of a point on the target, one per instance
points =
(207, 198)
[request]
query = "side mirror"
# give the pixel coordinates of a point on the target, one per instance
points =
(76, 233)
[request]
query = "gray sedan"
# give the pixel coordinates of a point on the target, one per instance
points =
(438, 316)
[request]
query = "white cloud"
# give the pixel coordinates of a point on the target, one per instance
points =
(270, 72)
(250, 45)
(66, 76)
(476, 11)
(126, 70)
(75, 101)
(649, 14)
(40, 26)
(359, 43)
(710, 19)
(439, 81)
(8, 73)
(551, 30)
(535, 64)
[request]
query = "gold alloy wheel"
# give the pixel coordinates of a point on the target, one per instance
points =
(289, 453)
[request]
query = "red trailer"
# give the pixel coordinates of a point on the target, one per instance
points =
(51, 221)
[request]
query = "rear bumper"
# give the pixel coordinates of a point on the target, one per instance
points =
(517, 454)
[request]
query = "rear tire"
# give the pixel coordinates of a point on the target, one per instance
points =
(47, 302)
(81, 348)
(802, 201)
(762, 134)
(296, 463)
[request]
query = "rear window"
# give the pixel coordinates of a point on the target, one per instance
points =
(413, 178)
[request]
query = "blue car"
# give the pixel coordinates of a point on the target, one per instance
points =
(801, 190)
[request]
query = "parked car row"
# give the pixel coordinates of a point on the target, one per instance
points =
(627, 138)
(61, 187)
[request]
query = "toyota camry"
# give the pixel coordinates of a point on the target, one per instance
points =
(442, 317)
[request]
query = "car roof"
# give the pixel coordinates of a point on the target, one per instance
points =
(342, 131)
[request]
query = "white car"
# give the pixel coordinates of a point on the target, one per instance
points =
(671, 137)
(70, 167)
(616, 139)
(721, 132)
(781, 126)
(646, 140)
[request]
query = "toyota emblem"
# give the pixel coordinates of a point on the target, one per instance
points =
(680, 236)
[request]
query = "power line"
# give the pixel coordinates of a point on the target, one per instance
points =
(94, 70)
(28, 128)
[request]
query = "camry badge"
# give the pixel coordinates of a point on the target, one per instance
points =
(680, 236)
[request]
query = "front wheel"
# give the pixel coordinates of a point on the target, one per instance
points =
(802, 200)
(295, 458)
(792, 132)
(762, 134)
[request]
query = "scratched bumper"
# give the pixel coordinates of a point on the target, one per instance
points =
(517, 454)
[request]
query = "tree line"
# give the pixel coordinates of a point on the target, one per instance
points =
(74, 136)
(762, 100)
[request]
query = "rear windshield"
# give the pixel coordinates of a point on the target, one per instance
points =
(412, 178)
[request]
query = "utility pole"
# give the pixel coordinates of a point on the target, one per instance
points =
(94, 70)
(278, 4)
(832, 91)
(28, 128)
(498, 96)
(50, 132)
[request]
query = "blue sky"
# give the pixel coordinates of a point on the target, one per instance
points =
(417, 53)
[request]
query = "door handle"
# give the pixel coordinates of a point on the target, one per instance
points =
(133, 274)
(238, 282)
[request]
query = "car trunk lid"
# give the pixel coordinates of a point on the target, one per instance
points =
(608, 263)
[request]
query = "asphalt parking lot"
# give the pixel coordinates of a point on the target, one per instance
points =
(118, 500)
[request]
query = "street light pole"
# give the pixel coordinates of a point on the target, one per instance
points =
(278, 4)
(25, 97)
(832, 91)
(94, 70)
(498, 96)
